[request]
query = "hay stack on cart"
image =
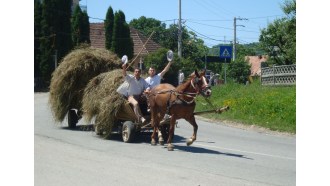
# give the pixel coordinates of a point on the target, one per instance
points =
(71, 77)
(102, 101)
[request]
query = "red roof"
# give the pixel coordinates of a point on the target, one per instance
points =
(97, 37)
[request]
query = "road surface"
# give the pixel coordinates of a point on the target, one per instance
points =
(221, 155)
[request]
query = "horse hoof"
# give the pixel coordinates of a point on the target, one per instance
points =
(161, 141)
(170, 147)
(153, 142)
(189, 142)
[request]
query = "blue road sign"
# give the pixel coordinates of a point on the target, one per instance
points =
(226, 52)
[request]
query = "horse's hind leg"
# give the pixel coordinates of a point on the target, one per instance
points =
(160, 137)
(192, 121)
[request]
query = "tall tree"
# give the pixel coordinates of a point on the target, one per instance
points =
(85, 27)
(47, 40)
(56, 34)
(279, 38)
(122, 43)
(63, 27)
(37, 36)
(80, 27)
(76, 26)
(108, 25)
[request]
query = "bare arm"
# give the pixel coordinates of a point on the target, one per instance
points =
(166, 69)
(124, 69)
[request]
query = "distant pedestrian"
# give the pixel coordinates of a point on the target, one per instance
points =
(181, 77)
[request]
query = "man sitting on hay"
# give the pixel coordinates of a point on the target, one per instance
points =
(136, 86)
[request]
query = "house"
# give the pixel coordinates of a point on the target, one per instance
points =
(97, 37)
(255, 62)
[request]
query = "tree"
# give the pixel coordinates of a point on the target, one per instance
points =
(37, 37)
(147, 25)
(122, 43)
(85, 28)
(239, 71)
(80, 27)
(279, 38)
(56, 34)
(108, 25)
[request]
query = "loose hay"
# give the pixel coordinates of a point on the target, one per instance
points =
(102, 101)
(73, 74)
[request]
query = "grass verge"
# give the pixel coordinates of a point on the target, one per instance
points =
(265, 106)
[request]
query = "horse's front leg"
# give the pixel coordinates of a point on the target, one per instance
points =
(155, 127)
(153, 136)
(170, 147)
(193, 138)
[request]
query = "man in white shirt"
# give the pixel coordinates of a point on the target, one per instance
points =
(137, 86)
(155, 79)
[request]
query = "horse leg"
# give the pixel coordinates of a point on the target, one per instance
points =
(160, 137)
(170, 147)
(192, 121)
(155, 127)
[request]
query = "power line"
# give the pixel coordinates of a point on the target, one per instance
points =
(206, 37)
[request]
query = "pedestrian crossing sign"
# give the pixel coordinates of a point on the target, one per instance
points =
(226, 52)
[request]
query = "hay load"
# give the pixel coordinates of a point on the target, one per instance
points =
(72, 76)
(102, 101)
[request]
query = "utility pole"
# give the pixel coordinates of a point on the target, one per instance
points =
(234, 44)
(180, 33)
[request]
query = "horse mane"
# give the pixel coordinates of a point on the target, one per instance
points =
(186, 83)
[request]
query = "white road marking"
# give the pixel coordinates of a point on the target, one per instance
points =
(257, 153)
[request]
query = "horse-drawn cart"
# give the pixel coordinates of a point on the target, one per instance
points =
(125, 122)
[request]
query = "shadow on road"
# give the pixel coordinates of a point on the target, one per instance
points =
(194, 149)
(145, 137)
(88, 127)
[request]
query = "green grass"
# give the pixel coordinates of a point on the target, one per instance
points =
(265, 106)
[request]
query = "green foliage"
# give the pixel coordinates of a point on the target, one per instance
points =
(239, 71)
(55, 34)
(108, 26)
(122, 43)
(85, 28)
(37, 37)
(147, 25)
(158, 60)
(193, 48)
(279, 38)
(80, 27)
(265, 106)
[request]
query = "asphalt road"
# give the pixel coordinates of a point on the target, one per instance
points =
(221, 155)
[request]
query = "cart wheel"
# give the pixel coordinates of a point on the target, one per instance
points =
(128, 131)
(72, 119)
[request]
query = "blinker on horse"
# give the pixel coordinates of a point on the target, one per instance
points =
(178, 102)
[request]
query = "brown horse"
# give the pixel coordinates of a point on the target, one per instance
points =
(178, 102)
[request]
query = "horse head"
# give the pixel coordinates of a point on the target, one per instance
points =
(199, 83)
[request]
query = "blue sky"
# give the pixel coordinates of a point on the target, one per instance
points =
(211, 20)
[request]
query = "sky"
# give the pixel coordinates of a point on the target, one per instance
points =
(211, 20)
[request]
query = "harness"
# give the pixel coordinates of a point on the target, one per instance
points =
(179, 95)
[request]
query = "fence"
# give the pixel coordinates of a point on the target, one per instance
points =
(278, 75)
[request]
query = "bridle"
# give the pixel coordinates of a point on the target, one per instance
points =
(203, 89)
